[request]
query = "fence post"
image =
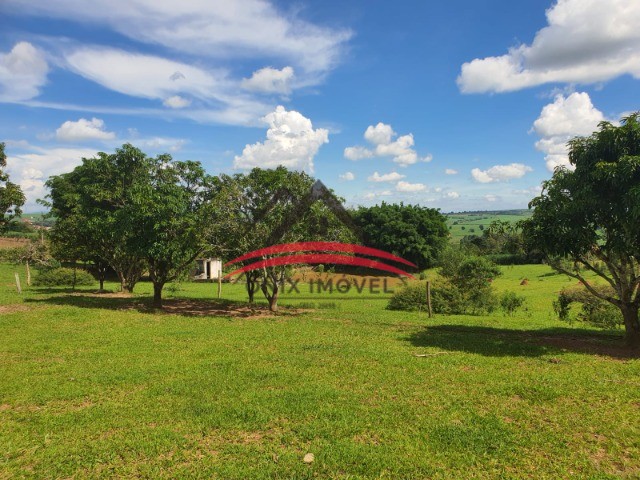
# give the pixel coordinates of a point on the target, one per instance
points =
(18, 283)
(429, 298)
(219, 283)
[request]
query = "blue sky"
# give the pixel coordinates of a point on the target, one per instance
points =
(460, 105)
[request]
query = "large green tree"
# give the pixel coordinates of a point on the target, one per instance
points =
(91, 205)
(276, 206)
(415, 233)
(11, 196)
(587, 220)
(175, 211)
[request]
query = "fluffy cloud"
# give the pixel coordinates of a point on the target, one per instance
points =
(23, 72)
(562, 120)
(347, 176)
(357, 153)
(381, 134)
(387, 177)
(291, 141)
(452, 195)
(585, 41)
(270, 80)
(381, 137)
(500, 173)
(83, 130)
(219, 29)
(177, 102)
(403, 186)
(32, 168)
(450, 171)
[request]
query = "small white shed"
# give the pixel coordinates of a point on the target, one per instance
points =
(208, 269)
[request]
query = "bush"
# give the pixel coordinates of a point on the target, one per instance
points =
(446, 298)
(594, 311)
(56, 277)
(510, 302)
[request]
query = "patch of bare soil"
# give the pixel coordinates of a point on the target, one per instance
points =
(8, 242)
(103, 294)
(201, 308)
(13, 308)
(587, 345)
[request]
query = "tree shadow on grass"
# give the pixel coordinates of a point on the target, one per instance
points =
(498, 342)
(182, 306)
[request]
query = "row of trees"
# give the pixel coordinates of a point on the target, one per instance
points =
(135, 214)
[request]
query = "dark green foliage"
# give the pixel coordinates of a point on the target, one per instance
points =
(510, 302)
(415, 233)
(11, 196)
(593, 310)
(63, 277)
(590, 217)
(446, 299)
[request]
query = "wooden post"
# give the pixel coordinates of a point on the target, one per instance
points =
(429, 298)
(219, 283)
(18, 283)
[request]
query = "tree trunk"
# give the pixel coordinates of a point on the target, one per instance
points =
(631, 325)
(250, 286)
(28, 273)
(272, 297)
(273, 301)
(157, 294)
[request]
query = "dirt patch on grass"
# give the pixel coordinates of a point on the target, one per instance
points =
(588, 345)
(200, 308)
(13, 308)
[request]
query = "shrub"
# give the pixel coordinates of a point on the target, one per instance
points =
(510, 302)
(594, 311)
(55, 277)
(446, 298)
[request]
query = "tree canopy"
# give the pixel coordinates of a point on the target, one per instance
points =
(135, 213)
(588, 219)
(415, 233)
(11, 196)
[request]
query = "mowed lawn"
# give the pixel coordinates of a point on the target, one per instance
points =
(96, 386)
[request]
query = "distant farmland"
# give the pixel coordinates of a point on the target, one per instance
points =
(473, 223)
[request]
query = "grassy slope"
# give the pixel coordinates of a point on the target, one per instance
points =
(87, 389)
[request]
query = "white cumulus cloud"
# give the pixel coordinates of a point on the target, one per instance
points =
(291, 141)
(450, 171)
(452, 195)
(347, 176)
(381, 137)
(32, 168)
(83, 130)
(585, 41)
(23, 73)
(176, 101)
(500, 173)
(387, 177)
(270, 80)
(403, 186)
(562, 120)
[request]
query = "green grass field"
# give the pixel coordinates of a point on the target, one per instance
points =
(92, 386)
(461, 224)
